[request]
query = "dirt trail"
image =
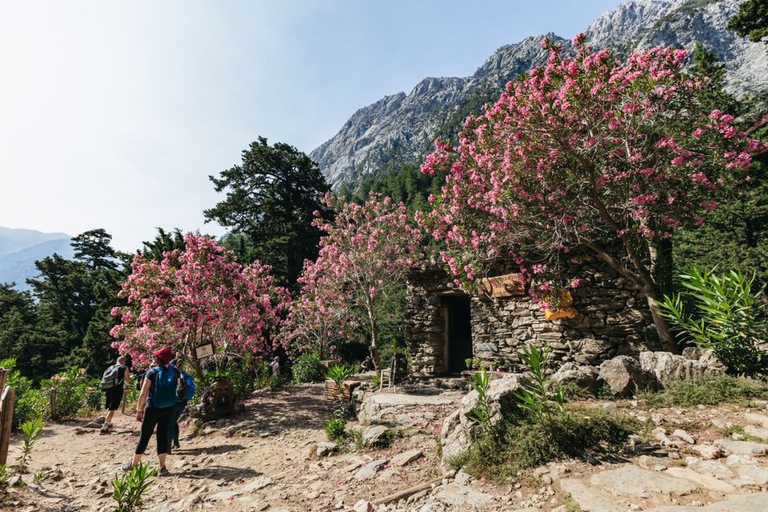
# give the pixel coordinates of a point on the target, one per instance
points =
(269, 447)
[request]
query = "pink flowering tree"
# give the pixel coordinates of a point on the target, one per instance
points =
(364, 257)
(590, 153)
(321, 316)
(196, 296)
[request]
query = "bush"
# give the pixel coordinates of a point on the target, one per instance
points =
(708, 391)
(73, 388)
(525, 442)
(29, 403)
(334, 428)
(308, 368)
(727, 316)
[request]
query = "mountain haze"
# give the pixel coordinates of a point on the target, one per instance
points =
(20, 248)
(401, 128)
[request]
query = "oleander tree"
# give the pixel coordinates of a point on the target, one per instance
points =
(585, 153)
(195, 296)
(364, 258)
(321, 316)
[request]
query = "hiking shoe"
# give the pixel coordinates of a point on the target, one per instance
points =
(163, 471)
(127, 466)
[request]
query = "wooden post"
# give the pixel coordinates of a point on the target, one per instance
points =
(6, 421)
(3, 378)
(53, 402)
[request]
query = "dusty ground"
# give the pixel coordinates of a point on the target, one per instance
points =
(264, 459)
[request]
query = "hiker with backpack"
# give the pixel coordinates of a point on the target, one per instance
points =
(183, 395)
(112, 382)
(155, 407)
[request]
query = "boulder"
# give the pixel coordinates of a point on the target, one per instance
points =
(460, 426)
(625, 376)
(583, 377)
(667, 367)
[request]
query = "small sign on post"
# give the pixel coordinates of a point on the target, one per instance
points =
(204, 351)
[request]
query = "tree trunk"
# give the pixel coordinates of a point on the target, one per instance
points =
(374, 350)
(661, 324)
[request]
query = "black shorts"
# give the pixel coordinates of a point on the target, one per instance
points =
(114, 397)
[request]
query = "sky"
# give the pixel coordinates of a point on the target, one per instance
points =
(113, 114)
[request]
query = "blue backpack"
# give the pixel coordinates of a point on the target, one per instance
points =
(164, 386)
(188, 386)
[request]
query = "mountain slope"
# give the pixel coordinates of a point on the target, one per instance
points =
(20, 248)
(401, 128)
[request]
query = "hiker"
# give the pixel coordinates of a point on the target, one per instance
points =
(155, 407)
(275, 366)
(112, 382)
(184, 394)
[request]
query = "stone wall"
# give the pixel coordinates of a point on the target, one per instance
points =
(613, 319)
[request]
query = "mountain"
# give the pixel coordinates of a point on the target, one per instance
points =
(20, 248)
(401, 128)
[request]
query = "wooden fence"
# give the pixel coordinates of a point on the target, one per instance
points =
(6, 415)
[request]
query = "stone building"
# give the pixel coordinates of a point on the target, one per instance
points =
(445, 326)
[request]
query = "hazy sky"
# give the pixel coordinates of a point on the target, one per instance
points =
(114, 113)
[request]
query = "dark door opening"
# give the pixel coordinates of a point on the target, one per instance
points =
(458, 332)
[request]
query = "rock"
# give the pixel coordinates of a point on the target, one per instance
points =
(707, 482)
(707, 451)
(741, 447)
(370, 469)
(581, 376)
(760, 433)
(667, 367)
(466, 497)
(405, 458)
(586, 497)
(363, 506)
(736, 503)
(624, 376)
(757, 419)
(634, 482)
(324, 449)
(685, 436)
(375, 435)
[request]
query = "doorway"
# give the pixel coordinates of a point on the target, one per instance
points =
(458, 332)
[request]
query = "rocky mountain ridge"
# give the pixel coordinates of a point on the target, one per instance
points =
(400, 128)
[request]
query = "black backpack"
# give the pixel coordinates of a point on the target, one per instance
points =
(111, 377)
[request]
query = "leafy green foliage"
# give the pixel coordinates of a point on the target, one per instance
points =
(524, 442)
(308, 368)
(710, 390)
(751, 20)
(31, 431)
(271, 200)
(73, 390)
(30, 404)
(334, 427)
(727, 316)
(482, 412)
(128, 489)
(538, 397)
(338, 373)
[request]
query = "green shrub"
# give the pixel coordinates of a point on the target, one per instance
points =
(710, 390)
(334, 428)
(482, 412)
(338, 373)
(538, 397)
(29, 403)
(728, 316)
(72, 392)
(308, 368)
(524, 442)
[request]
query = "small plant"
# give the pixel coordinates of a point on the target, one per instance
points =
(537, 397)
(357, 437)
(334, 428)
(128, 489)
(468, 363)
(376, 381)
(31, 431)
(338, 373)
(482, 412)
(728, 316)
